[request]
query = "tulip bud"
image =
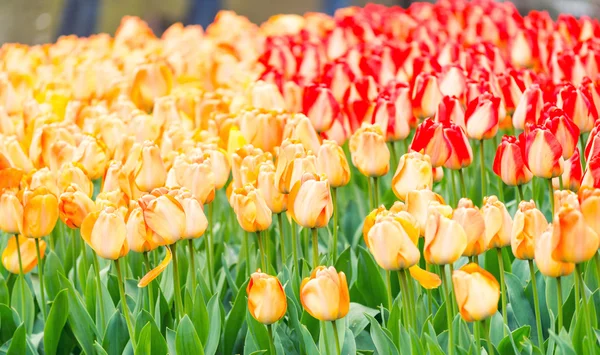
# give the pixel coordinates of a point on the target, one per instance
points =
(540, 142)
(429, 137)
(262, 128)
(324, 295)
(105, 232)
(219, 163)
(92, 155)
(196, 174)
(445, 239)
(453, 81)
(116, 178)
(150, 172)
(74, 174)
(13, 151)
(298, 127)
(469, 280)
(578, 105)
(27, 256)
(498, 223)
(591, 177)
(528, 225)
(544, 259)
(393, 111)
(44, 178)
(522, 48)
(572, 173)
(369, 151)
(359, 101)
(293, 171)
(40, 212)
(310, 202)
(11, 210)
(482, 117)
(573, 241)
(450, 110)
(267, 302)
(140, 237)
(418, 203)
(266, 96)
(251, 210)
(529, 108)
(393, 241)
(320, 106)
(414, 172)
(195, 220)
(461, 154)
(471, 219)
(164, 215)
(426, 95)
(590, 207)
(276, 201)
(150, 81)
(509, 163)
(370, 221)
(331, 161)
(563, 128)
(338, 76)
(74, 205)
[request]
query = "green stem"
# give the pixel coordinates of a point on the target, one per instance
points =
(406, 147)
(271, 339)
(454, 305)
(560, 182)
(394, 155)
(389, 290)
(520, 191)
(376, 191)
(315, 246)
(482, 168)
(99, 287)
(411, 295)
(445, 283)
(84, 255)
(477, 336)
(325, 340)
(267, 241)
(408, 298)
(21, 275)
(551, 196)
(406, 308)
(192, 263)
(124, 306)
(247, 253)
(429, 299)
(305, 239)
(149, 286)
(597, 261)
(41, 273)
(334, 246)
(536, 303)
(282, 237)
(178, 301)
(209, 248)
(370, 192)
(486, 332)
(559, 300)
(582, 151)
(454, 193)
(463, 187)
(337, 338)
(503, 289)
(586, 313)
(577, 295)
(262, 252)
(73, 254)
(294, 244)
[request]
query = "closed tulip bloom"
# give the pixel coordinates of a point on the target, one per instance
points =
(477, 292)
(471, 219)
(219, 163)
(195, 219)
(482, 117)
(546, 263)
(591, 177)
(418, 203)
(573, 241)
(267, 302)
(529, 108)
(150, 172)
(509, 163)
(332, 162)
(74, 174)
(92, 154)
(414, 172)
(40, 212)
(11, 210)
(320, 106)
(590, 207)
(116, 178)
(461, 154)
(262, 128)
(572, 173)
(498, 223)
(10, 255)
(430, 139)
(578, 105)
(74, 205)
(445, 239)
(359, 101)
(389, 115)
(264, 95)
(324, 295)
(426, 95)
(140, 237)
(14, 152)
(393, 241)
(563, 128)
(542, 152)
(276, 201)
(310, 202)
(370, 221)
(150, 81)
(298, 127)
(289, 150)
(44, 177)
(105, 232)
(164, 215)
(369, 151)
(295, 169)
(529, 223)
(450, 110)
(196, 174)
(251, 210)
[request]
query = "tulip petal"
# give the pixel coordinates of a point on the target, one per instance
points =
(152, 274)
(425, 278)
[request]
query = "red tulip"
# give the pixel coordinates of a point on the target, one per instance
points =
(338, 76)
(390, 118)
(529, 108)
(592, 148)
(359, 101)
(509, 164)
(512, 87)
(578, 105)
(453, 81)
(430, 138)
(320, 106)
(461, 154)
(572, 174)
(482, 117)
(426, 95)
(542, 152)
(450, 110)
(563, 128)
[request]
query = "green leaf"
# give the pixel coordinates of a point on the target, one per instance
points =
(357, 321)
(150, 340)
(144, 342)
(52, 268)
(382, 341)
(199, 316)
(171, 338)
(518, 336)
(99, 349)
(22, 301)
(563, 342)
(57, 318)
(440, 322)
(346, 262)
(8, 323)
(519, 302)
(4, 294)
(234, 320)
(349, 345)
(186, 340)
(369, 282)
(117, 334)
(214, 333)
(258, 332)
(17, 344)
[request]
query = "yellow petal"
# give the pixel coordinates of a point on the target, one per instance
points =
(152, 274)
(425, 278)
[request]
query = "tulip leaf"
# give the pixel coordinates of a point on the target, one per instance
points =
(235, 319)
(149, 334)
(171, 336)
(4, 294)
(349, 345)
(116, 336)
(52, 268)
(514, 342)
(432, 345)
(186, 340)
(22, 301)
(519, 303)
(357, 321)
(369, 282)
(258, 332)
(199, 316)
(55, 322)
(18, 342)
(440, 322)
(346, 262)
(563, 342)
(382, 341)
(214, 333)
(8, 322)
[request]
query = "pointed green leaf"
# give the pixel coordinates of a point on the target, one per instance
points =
(57, 318)
(186, 340)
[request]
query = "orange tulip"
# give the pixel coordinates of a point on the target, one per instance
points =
(370, 221)
(219, 162)
(276, 201)
(196, 173)
(43, 178)
(150, 81)
(573, 241)
(10, 255)
(310, 202)
(116, 178)
(471, 219)
(298, 127)
(331, 161)
(528, 225)
(105, 232)
(393, 241)
(418, 203)
(324, 295)
(369, 151)
(74, 174)
(477, 292)
(590, 207)
(251, 210)
(544, 260)
(267, 302)
(445, 239)
(498, 223)
(414, 172)
(91, 153)
(164, 215)
(13, 150)
(74, 205)
(150, 172)
(116, 199)
(11, 210)
(195, 219)
(565, 197)
(261, 128)
(40, 212)
(139, 236)
(294, 170)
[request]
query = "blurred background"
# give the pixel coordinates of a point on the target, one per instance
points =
(42, 21)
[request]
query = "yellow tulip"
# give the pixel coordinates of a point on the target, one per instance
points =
(250, 208)
(414, 172)
(418, 203)
(74, 205)
(498, 223)
(426, 279)
(276, 201)
(40, 212)
(267, 302)
(445, 239)
(573, 241)
(105, 232)
(393, 241)
(331, 161)
(74, 173)
(310, 202)
(324, 295)
(544, 260)
(477, 292)
(11, 210)
(150, 172)
(528, 225)
(10, 255)
(590, 207)
(164, 215)
(369, 151)
(471, 219)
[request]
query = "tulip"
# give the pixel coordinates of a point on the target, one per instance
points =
(563, 128)
(140, 237)
(359, 101)
(105, 232)
(370, 221)
(43, 178)
(331, 161)
(293, 170)
(14, 152)
(298, 127)
(418, 203)
(572, 173)
(477, 292)
(74, 205)
(40, 212)
(251, 210)
(74, 174)
(369, 152)
(498, 223)
(116, 178)
(590, 207)
(150, 172)
(393, 241)
(324, 295)
(266, 96)
(26, 247)
(393, 112)
(544, 259)
(429, 137)
(320, 106)
(196, 174)
(426, 95)
(310, 202)
(578, 105)
(529, 108)
(195, 219)
(219, 163)
(542, 152)
(267, 302)
(150, 81)
(92, 155)
(276, 201)
(450, 110)
(509, 163)
(461, 154)
(261, 128)
(445, 239)
(164, 215)
(529, 223)
(482, 117)
(11, 210)
(591, 177)
(573, 241)
(414, 172)
(471, 219)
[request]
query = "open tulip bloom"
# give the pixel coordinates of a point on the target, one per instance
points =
(205, 191)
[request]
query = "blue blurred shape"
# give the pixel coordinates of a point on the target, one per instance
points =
(203, 12)
(79, 17)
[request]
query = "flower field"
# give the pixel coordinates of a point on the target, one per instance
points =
(383, 181)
